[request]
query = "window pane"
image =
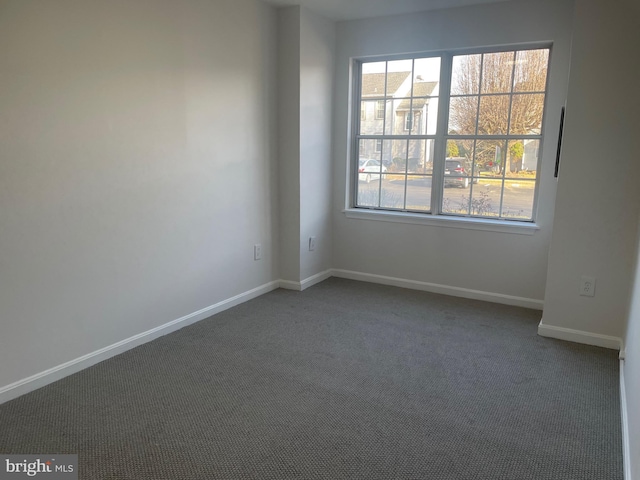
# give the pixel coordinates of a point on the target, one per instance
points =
(465, 75)
(370, 124)
(523, 159)
(399, 78)
(426, 75)
(367, 149)
(485, 198)
(368, 194)
(418, 193)
(455, 202)
(531, 71)
(425, 89)
(489, 157)
(494, 115)
(392, 191)
(455, 173)
(462, 150)
(517, 201)
(463, 113)
(526, 114)
(428, 116)
(394, 155)
(396, 112)
(373, 79)
(421, 156)
(370, 173)
(497, 69)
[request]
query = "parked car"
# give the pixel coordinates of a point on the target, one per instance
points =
(370, 169)
(455, 173)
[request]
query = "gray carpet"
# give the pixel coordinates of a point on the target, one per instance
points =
(346, 380)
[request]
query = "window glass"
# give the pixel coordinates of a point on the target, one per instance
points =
(531, 71)
(465, 75)
(497, 72)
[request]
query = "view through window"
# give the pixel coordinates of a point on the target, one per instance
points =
(488, 148)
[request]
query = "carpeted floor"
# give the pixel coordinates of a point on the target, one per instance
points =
(346, 380)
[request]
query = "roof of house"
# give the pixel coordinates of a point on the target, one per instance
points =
(373, 83)
(420, 89)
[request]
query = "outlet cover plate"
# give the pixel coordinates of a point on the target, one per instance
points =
(587, 286)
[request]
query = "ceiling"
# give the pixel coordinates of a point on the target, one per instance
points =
(354, 9)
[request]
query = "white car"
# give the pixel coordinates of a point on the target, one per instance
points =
(369, 169)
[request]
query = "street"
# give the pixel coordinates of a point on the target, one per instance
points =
(485, 200)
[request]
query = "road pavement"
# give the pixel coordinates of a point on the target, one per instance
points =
(485, 196)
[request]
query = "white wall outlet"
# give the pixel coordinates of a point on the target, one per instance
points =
(587, 286)
(257, 251)
(312, 244)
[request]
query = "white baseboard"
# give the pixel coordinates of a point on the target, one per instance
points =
(290, 285)
(442, 289)
(307, 282)
(41, 379)
(578, 336)
(626, 448)
(314, 279)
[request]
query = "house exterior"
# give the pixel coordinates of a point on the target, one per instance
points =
(402, 105)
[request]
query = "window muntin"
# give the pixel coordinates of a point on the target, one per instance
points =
(493, 127)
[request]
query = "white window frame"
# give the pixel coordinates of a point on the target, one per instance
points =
(435, 215)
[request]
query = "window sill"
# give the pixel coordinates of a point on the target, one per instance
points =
(501, 226)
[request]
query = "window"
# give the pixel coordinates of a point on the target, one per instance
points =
(480, 160)
(380, 110)
(408, 121)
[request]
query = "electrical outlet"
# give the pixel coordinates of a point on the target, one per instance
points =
(587, 286)
(257, 251)
(312, 244)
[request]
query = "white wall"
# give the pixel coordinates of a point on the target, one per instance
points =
(317, 52)
(596, 223)
(136, 168)
(306, 59)
(596, 209)
(506, 264)
(631, 369)
(289, 141)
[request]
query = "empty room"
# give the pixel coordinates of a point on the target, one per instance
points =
(319, 239)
